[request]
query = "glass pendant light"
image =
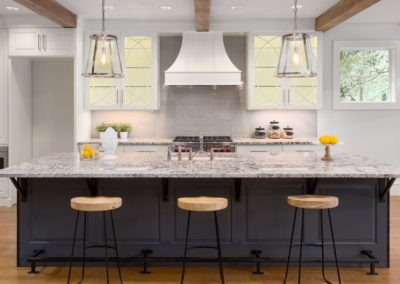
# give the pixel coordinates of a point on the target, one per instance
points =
(296, 58)
(103, 59)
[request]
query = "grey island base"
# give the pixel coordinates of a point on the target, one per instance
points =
(254, 229)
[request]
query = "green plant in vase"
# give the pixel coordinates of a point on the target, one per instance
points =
(124, 128)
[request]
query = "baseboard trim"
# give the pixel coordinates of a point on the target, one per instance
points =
(395, 190)
(6, 202)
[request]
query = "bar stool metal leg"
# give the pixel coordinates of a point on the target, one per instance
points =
(221, 268)
(301, 245)
(334, 246)
(116, 247)
(73, 246)
(290, 245)
(322, 247)
(186, 246)
(84, 246)
(105, 245)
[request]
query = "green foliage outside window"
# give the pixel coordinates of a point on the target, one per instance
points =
(364, 75)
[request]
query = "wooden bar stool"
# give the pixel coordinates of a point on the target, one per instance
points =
(95, 204)
(319, 202)
(203, 204)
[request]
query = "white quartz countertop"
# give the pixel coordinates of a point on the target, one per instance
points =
(234, 165)
(238, 141)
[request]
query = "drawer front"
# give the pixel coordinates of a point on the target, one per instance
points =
(258, 148)
(146, 148)
(302, 148)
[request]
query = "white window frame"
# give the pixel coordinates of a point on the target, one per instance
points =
(394, 48)
(251, 105)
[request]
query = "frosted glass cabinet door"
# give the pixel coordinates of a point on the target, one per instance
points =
(102, 93)
(141, 88)
(265, 89)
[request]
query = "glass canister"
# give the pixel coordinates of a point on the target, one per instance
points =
(274, 130)
(287, 132)
(260, 133)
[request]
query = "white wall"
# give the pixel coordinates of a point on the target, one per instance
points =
(20, 140)
(52, 106)
(374, 133)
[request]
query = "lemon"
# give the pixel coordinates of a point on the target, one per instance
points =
(325, 140)
(87, 148)
(85, 155)
(334, 140)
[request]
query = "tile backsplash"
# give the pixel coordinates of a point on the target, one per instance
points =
(191, 110)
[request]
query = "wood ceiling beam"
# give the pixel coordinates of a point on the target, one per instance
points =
(202, 12)
(51, 10)
(340, 12)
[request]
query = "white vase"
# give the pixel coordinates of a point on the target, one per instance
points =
(109, 143)
(101, 134)
(123, 135)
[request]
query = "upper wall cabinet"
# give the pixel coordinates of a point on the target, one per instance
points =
(265, 90)
(139, 89)
(35, 42)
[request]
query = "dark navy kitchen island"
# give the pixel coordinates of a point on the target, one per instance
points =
(255, 226)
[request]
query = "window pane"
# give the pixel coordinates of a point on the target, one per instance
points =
(268, 96)
(302, 95)
(138, 96)
(365, 75)
(103, 92)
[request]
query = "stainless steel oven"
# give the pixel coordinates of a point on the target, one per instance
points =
(3, 157)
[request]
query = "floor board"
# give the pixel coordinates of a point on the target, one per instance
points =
(10, 274)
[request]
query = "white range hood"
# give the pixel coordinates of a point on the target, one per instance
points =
(202, 61)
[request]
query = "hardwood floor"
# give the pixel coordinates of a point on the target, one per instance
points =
(10, 274)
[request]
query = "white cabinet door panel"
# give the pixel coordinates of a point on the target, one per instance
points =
(258, 148)
(302, 148)
(146, 148)
(58, 42)
(25, 41)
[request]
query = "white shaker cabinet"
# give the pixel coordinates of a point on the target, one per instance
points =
(41, 42)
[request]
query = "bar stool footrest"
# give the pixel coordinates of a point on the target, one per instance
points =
(202, 247)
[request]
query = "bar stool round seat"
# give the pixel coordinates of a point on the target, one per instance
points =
(103, 205)
(202, 203)
(96, 204)
(322, 203)
(313, 201)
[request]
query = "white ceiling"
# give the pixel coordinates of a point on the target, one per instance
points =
(384, 11)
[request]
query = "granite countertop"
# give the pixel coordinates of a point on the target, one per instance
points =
(237, 141)
(234, 165)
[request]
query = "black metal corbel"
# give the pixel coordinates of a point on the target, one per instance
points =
(238, 189)
(312, 185)
(386, 190)
(92, 185)
(165, 189)
(20, 185)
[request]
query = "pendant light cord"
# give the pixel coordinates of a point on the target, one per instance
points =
(295, 16)
(103, 20)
